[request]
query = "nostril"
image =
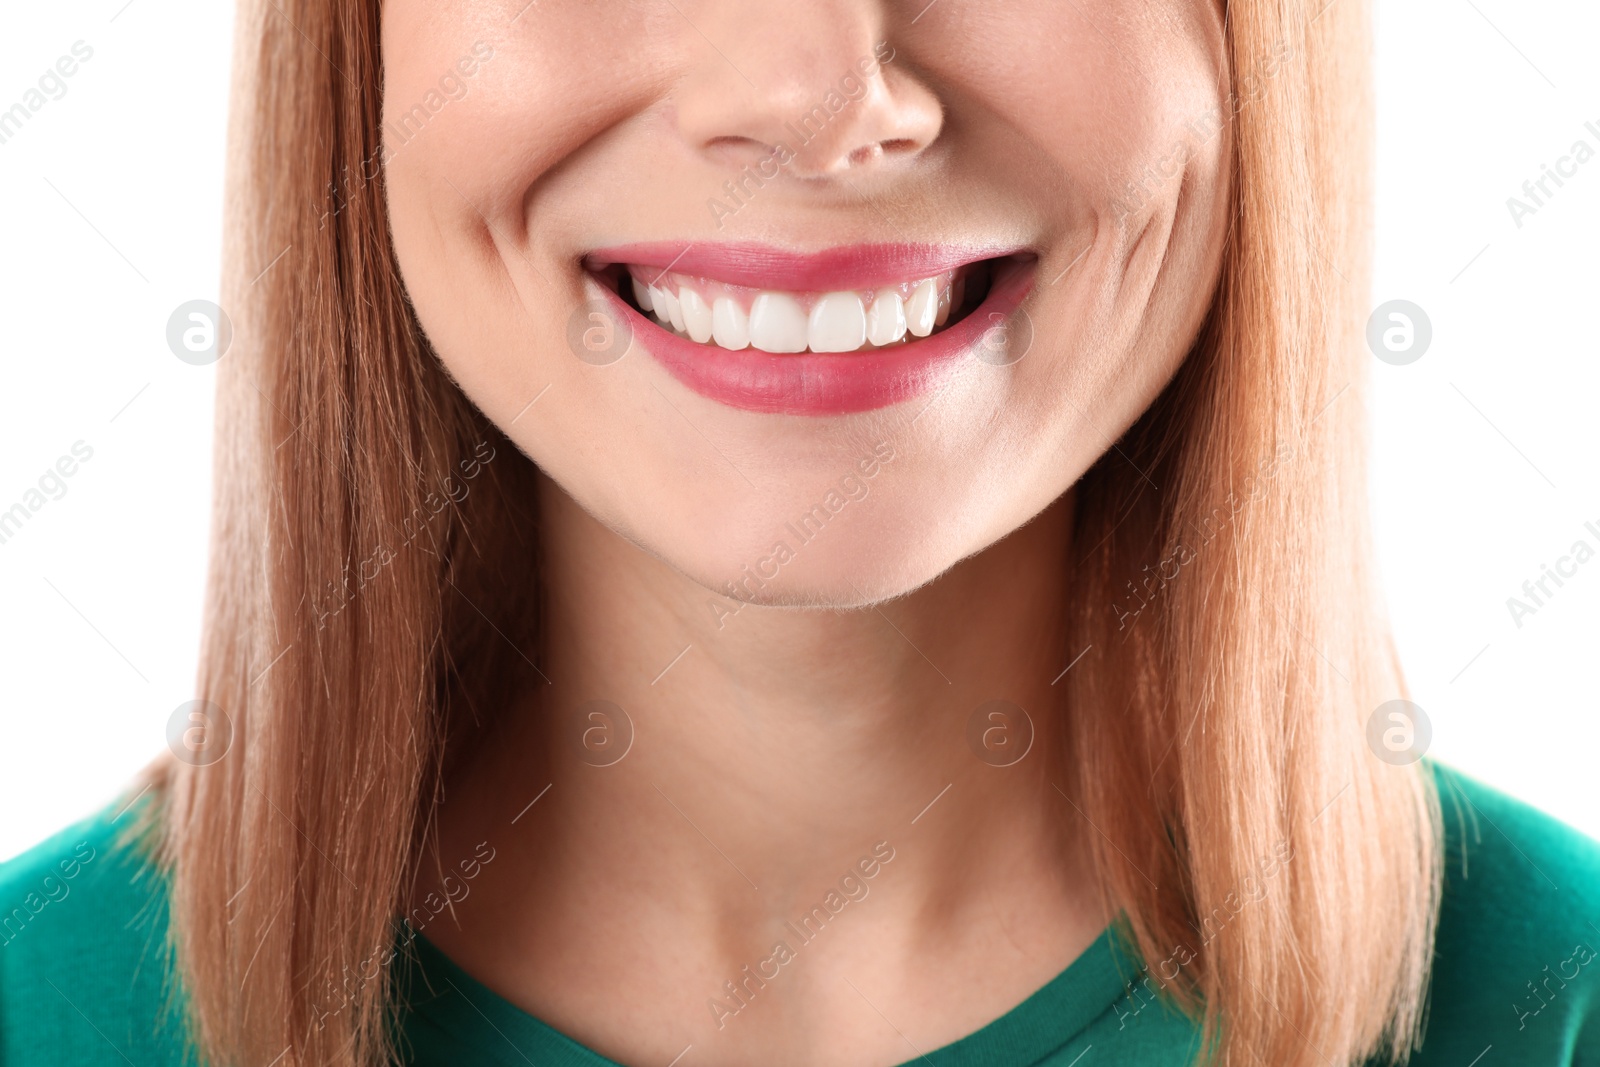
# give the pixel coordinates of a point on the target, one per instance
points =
(740, 151)
(877, 150)
(730, 141)
(867, 153)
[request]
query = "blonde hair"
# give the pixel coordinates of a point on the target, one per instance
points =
(1235, 641)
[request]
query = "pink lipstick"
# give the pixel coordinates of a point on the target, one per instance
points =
(843, 330)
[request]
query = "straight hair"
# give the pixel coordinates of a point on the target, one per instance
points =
(373, 539)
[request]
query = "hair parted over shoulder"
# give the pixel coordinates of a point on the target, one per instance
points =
(1235, 643)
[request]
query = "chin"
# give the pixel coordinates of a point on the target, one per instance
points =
(875, 555)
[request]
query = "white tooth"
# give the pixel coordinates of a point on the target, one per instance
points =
(943, 313)
(667, 301)
(696, 315)
(730, 326)
(838, 323)
(658, 304)
(777, 323)
(641, 293)
(922, 307)
(886, 319)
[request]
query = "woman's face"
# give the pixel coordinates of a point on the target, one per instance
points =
(910, 267)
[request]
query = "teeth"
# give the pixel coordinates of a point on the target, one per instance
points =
(838, 323)
(778, 323)
(674, 309)
(922, 309)
(886, 321)
(696, 315)
(666, 307)
(730, 326)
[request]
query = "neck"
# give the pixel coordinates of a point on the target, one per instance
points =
(747, 771)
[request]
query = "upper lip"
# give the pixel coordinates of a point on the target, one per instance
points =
(760, 266)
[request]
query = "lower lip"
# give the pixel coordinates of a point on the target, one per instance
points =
(815, 383)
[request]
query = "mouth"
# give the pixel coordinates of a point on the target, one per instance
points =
(847, 329)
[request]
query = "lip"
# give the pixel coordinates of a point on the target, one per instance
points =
(765, 267)
(820, 384)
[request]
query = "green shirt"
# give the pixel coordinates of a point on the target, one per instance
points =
(84, 967)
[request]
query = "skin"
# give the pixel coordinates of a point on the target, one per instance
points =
(777, 736)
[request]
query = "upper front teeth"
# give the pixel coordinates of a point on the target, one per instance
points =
(886, 318)
(838, 323)
(730, 324)
(771, 321)
(778, 323)
(696, 315)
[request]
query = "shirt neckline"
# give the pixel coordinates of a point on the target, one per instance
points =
(443, 998)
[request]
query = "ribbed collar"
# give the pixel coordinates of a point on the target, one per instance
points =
(454, 1018)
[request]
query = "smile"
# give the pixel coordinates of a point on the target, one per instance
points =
(848, 329)
(778, 321)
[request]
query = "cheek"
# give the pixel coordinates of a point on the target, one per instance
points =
(1094, 99)
(458, 169)
(558, 78)
(1126, 139)
(549, 81)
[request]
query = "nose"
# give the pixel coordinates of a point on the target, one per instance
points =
(813, 85)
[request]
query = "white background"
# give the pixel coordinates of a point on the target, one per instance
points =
(1484, 449)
